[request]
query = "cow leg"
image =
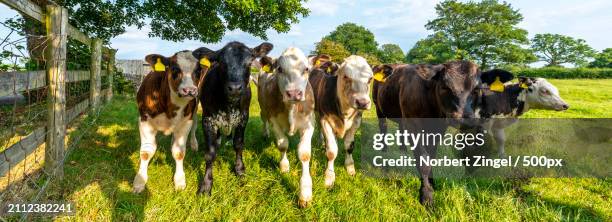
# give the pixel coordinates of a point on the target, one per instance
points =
(266, 128)
(238, 147)
(212, 143)
(349, 144)
(500, 140)
(426, 189)
(382, 126)
(331, 152)
(402, 125)
(193, 141)
(179, 143)
(148, 145)
(304, 153)
(282, 142)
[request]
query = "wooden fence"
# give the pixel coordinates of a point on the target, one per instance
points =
(54, 78)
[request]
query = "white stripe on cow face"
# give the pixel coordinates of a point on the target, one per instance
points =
(187, 64)
(354, 83)
(544, 95)
(293, 74)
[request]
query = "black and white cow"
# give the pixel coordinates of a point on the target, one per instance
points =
(499, 109)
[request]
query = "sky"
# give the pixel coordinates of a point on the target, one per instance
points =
(392, 21)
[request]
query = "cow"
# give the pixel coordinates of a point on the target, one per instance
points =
(443, 92)
(225, 98)
(500, 108)
(324, 63)
(341, 99)
(287, 104)
(166, 103)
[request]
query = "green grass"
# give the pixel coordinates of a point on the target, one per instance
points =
(99, 173)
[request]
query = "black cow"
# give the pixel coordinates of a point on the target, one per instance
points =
(225, 100)
(440, 93)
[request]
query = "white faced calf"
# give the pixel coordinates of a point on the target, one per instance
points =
(340, 101)
(287, 105)
(166, 103)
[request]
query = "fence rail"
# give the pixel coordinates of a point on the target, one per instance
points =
(49, 136)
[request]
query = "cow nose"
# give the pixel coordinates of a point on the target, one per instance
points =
(234, 88)
(565, 106)
(362, 103)
(294, 95)
(189, 91)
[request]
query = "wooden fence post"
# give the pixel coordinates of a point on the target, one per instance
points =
(95, 67)
(56, 20)
(110, 69)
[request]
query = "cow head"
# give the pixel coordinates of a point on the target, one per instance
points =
(354, 78)
(180, 71)
(234, 61)
(453, 84)
(292, 70)
(542, 95)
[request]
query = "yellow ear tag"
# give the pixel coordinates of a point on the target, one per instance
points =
(205, 62)
(524, 86)
(266, 68)
(497, 85)
(317, 63)
(379, 76)
(159, 66)
(329, 70)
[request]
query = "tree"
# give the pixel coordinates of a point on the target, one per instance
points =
(333, 49)
(603, 59)
(354, 38)
(483, 31)
(207, 21)
(391, 53)
(434, 49)
(555, 49)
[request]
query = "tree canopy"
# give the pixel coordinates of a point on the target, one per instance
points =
(391, 53)
(333, 49)
(354, 38)
(434, 49)
(555, 49)
(483, 31)
(603, 59)
(207, 21)
(202, 20)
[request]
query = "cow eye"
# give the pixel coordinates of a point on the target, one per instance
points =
(545, 91)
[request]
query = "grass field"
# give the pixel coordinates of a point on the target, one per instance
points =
(99, 173)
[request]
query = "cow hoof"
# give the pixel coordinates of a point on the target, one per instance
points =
(350, 169)
(194, 146)
(139, 183)
(239, 170)
(330, 177)
(304, 202)
(179, 182)
(284, 166)
(204, 189)
(426, 199)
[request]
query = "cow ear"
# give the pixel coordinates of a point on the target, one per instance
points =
(329, 67)
(429, 72)
(525, 82)
(205, 56)
(265, 64)
(384, 69)
(157, 62)
(263, 49)
(490, 76)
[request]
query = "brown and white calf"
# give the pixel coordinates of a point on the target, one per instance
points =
(166, 103)
(287, 105)
(340, 101)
